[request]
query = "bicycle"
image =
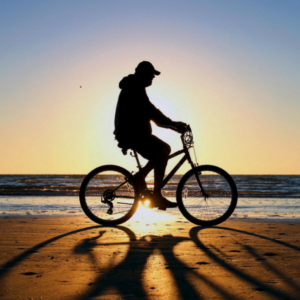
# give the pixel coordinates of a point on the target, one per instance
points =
(206, 194)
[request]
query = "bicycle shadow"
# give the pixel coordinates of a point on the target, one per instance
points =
(127, 277)
(259, 284)
(26, 254)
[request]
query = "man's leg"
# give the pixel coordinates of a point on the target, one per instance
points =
(160, 168)
(140, 176)
(147, 168)
(157, 152)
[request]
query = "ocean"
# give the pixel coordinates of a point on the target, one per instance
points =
(260, 196)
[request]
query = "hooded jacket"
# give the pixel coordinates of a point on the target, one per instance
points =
(135, 111)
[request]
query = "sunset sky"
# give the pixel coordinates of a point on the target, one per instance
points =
(231, 69)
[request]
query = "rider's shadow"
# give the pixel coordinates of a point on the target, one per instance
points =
(127, 277)
(120, 277)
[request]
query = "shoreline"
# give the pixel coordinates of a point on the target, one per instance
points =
(254, 209)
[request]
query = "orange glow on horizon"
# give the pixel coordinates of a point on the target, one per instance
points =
(238, 89)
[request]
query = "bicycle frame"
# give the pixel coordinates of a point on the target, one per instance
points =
(186, 157)
(94, 195)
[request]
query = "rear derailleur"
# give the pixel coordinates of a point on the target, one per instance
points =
(107, 198)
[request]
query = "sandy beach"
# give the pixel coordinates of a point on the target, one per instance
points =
(73, 258)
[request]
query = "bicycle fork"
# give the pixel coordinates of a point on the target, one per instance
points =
(200, 185)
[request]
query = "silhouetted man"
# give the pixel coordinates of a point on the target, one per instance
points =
(133, 129)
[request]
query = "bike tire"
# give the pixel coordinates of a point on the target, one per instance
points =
(92, 190)
(217, 206)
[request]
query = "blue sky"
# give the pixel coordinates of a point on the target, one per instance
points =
(223, 62)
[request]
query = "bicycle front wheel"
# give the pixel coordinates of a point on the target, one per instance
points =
(214, 202)
(107, 197)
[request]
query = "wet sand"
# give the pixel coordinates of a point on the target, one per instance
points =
(73, 258)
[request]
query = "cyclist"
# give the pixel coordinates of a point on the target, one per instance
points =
(133, 129)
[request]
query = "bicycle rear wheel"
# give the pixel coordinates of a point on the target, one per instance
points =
(107, 197)
(218, 202)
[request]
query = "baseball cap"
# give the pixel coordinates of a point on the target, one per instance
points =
(146, 66)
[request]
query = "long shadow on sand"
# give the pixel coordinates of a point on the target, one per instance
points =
(123, 277)
(24, 255)
(273, 292)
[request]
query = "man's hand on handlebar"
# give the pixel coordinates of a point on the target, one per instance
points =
(180, 127)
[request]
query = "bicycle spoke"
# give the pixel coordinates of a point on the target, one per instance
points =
(107, 196)
(214, 205)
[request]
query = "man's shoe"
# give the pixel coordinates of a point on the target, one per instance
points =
(161, 202)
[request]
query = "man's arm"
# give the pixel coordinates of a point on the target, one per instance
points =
(161, 120)
(158, 117)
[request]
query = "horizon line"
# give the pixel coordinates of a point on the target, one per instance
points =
(84, 174)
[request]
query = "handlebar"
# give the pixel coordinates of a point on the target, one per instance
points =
(187, 137)
(188, 128)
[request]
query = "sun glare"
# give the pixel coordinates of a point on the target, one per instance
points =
(144, 214)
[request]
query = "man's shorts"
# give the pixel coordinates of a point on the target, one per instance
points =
(150, 146)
